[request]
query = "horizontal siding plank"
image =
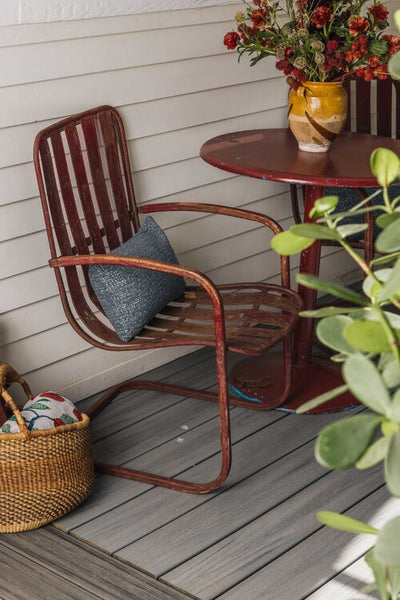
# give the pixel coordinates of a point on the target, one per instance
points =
(162, 115)
(52, 32)
(74, 57)
(19, 182)
(31, 251)
(48, 99)
(27, 288)
(183, 144)
(88, 372)
(26, 217)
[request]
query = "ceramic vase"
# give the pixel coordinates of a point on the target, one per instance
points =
(317, 113)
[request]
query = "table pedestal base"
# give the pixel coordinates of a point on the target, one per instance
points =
(260, 380)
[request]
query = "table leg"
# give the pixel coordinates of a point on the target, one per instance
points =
(309, 263)
(261, 379)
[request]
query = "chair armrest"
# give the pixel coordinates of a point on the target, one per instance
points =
(218, 209)
(227, 211)
(153, 265)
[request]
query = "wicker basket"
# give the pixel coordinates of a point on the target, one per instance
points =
(43, 474)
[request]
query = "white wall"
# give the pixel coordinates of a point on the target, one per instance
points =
(176, 86)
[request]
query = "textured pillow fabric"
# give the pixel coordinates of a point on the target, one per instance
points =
(44, 411)
(348, 198)
(131, 296)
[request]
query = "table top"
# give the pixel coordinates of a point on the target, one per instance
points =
(273, 154)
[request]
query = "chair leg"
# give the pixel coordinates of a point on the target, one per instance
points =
(171, 482)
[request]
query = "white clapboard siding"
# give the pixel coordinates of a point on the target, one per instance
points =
(47, 99)
(162, 115)
(176, 86)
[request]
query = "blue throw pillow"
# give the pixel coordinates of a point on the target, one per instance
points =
(130, 296)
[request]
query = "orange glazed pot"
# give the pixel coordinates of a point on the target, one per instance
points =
(317, 113)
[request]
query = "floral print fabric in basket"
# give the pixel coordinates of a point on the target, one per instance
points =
(44, 411)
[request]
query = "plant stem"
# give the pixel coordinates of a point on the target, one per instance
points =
(360, 262)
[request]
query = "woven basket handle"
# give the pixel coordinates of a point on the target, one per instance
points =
(9, 375)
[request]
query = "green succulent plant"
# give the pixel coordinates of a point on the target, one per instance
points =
(364, 336)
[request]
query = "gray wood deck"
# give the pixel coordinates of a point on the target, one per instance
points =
(255, 538)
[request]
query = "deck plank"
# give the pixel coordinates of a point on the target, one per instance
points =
(316, 559)
(138, 517)
(45, 564)
(223, 514)
(347, 584)
(133, 407)
(251, 547)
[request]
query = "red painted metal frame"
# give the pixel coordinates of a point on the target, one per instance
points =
(101, 172)
(273, 154)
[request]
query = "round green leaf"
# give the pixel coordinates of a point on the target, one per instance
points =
(324, 206)
(395, 406)
(391, 288)
(344, 523)
(330, 333)
(341, 445)
(321, 399)
(386, 219)
(379, 572)
(385, 165)
(383, 260)
(394, 579)
(396, 17)
(392, 470)
(374, 454)
(316, 232)
(366, 383)
(286, 243)
(370, 287)
(330, 311)
(394, 66)
(346, 230)
(389, 240)
(391, 377)
(330, 287)
(367, 336)
(387, 547)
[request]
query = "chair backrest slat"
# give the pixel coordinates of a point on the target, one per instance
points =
(99, 180)
(346, 85)
(384, 107)
(396, 85)
(114, 169)
(67, 194)
(83, 187)
(54, 205)
(363, 106)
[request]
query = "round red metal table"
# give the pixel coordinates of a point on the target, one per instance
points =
(273, 155)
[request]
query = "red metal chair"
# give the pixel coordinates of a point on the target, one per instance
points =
(374, 107)
(88, 199)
